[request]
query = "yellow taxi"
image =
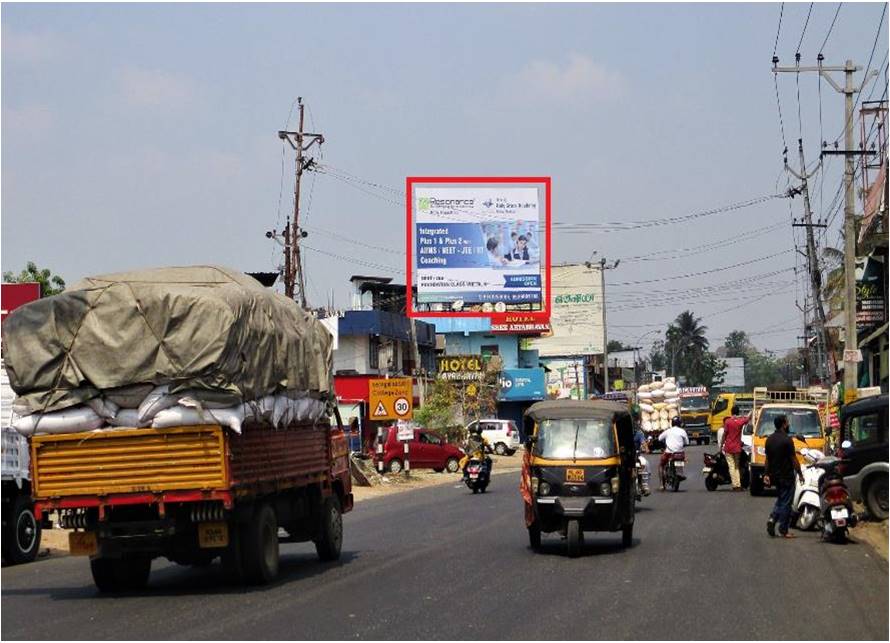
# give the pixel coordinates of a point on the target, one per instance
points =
(806, 413)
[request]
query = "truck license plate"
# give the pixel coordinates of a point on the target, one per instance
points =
(83, 543)
(213, 534)
(574, 475)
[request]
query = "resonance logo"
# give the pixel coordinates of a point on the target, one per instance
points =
(423, 203)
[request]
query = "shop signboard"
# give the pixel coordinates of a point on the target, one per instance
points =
(870, 277)
(460, 368)
(522, 384)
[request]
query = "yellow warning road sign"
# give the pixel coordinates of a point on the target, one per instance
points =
(391, 399)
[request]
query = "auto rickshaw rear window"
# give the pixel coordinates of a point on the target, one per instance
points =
(565, 439)
(803, 422)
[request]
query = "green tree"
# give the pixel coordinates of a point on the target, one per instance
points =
(614, 346)
(437, 411)
(50, 284)
(737, 344)
(685, 344)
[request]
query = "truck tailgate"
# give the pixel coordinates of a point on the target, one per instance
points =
(129, 460)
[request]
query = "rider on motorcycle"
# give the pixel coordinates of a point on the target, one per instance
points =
(474, 448)
(640, 447)
(675, 441)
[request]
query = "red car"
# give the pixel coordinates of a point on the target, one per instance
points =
(428, 450)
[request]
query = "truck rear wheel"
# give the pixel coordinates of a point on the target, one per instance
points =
(21, 540)
(120, 574)
(330, 540)
(259, 546)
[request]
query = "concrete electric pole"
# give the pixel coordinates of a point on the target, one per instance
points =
(300, 141)
(848, 90)
(824, 371)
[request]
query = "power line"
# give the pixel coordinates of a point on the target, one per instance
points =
(833, 20)
(779, 28)
(805, 24)
(703, 272)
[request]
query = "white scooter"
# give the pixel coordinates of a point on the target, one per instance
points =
(806, 504)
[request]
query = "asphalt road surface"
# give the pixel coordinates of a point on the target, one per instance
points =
(440, 563)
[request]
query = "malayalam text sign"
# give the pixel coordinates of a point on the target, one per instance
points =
(576, 315)
(391, 399)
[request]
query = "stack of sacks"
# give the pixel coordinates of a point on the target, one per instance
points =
(141, 406)
(659, 403)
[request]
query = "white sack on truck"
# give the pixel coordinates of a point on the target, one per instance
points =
(77, 418)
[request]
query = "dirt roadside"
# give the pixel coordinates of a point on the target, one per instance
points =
(54, 542)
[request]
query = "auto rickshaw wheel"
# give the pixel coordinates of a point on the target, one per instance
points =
(534, 536)
(627, 535)
(574, 538)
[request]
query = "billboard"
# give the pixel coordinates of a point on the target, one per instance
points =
(576, 314)
(479, 247)
(566, 379)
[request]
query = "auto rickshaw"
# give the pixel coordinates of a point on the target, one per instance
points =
(578, 470)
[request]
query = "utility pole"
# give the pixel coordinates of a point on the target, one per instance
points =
(813, 270)
(848, 90)
(301, 142)
(603, 268)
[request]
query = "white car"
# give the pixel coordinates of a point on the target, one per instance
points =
(502, 435)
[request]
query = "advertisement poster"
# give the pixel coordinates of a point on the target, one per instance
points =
(576, 315)
(566, 379)
(478, 248)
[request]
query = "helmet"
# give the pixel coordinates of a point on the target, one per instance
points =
(476, 429)
(676, 421)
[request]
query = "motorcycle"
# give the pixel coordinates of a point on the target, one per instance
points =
(807, 504)
(642, 478)
(478, 474)
(675, 471)
(716, 470)
(835, 503)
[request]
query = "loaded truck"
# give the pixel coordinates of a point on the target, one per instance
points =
(695, 408)
(21, 529)
(192, 494)
(191, 416)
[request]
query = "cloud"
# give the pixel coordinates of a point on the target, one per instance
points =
(155, 88)
(30, 46)
(580, 79)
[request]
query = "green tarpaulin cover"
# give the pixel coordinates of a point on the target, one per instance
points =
(198, 327)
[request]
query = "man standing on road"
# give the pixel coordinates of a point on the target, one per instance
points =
(732, 445)
(781, 465)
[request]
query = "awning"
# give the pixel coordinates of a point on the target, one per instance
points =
(868, 340)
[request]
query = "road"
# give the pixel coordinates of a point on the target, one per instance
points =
(440, 563)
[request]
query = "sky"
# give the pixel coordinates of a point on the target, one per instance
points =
(146, 135)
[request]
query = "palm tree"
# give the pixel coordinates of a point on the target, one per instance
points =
(686, 341)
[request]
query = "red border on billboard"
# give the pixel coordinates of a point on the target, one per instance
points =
(538, 315)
